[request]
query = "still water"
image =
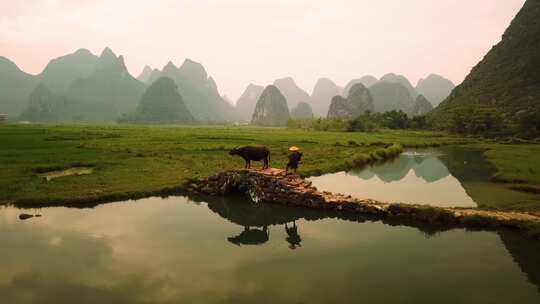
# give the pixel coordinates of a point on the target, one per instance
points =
(446, 177)
(176, 250)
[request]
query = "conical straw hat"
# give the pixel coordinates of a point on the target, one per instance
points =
(294, 149)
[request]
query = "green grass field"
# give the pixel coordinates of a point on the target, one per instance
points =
(135, 161)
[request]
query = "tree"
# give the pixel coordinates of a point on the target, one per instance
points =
(475, 120)
(395, 119)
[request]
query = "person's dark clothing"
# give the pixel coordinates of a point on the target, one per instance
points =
(294, 160)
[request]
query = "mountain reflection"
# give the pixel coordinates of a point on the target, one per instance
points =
(426, 166)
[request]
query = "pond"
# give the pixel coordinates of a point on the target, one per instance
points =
(444, 177)
(177, 250)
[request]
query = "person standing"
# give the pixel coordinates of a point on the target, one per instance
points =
(295, 156)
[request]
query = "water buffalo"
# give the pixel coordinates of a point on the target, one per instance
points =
(253, 153)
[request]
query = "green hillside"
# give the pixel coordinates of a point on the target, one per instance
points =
(503, 90)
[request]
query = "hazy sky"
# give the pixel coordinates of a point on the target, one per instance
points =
(243, 41)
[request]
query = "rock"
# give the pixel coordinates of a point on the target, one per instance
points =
(421, 106)
(357, 103)
(389, 96)
(302, 111)
(271, 108)
(339, 109)
(360, 99)
(24, 216)
(161, 103)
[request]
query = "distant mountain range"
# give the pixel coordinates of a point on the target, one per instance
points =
(80, 87)
(15, 88)
(147, 74)
(61, 72)
(93, 88)
(107, 93)
(402, 80)
(198, 90)
(391, 92)
(292, 92)
(247, 101)
(367, 81)
(83, 87)
(323, 92)
(435, 88)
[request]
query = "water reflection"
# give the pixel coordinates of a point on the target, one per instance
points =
(411, 178)
(255, 219)
(447, 177)
(251, 236)
(425, 165)
(293, 238)
(525, 254)
(176, 250)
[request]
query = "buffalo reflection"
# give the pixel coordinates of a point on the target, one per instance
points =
(251, 236)
(256, 218)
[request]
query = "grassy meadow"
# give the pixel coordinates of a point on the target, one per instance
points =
(137, 161)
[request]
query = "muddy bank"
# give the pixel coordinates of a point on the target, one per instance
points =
(272, 186)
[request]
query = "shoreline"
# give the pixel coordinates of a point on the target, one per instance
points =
(438, 218)
(271, 186)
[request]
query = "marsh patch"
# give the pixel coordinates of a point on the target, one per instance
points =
(50, 173)
(84, 136)
(67, 172)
